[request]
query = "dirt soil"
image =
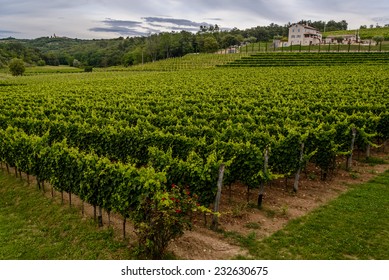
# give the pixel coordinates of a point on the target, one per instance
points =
(280, 205)
(239, 213)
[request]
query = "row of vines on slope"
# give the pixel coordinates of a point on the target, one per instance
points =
(94, 134)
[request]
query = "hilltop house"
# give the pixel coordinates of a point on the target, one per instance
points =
(343, 39)
(304, 35)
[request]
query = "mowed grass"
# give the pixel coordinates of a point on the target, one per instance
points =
(33, 227)
(354, 226)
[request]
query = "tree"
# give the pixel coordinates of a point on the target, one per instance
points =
(378, 39)
(76, 63)
(16, 67)
(41, 62)
(51, 58)
(152, 46)
(229, 40)
(339, 39)
(210, 44)
(251, 40)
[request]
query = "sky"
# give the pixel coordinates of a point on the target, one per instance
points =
(87, 19)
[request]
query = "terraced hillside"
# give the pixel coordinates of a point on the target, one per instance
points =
(310, 59)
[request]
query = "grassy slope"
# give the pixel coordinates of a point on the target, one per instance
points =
(32, 226)
(354, 226)
(364, 33)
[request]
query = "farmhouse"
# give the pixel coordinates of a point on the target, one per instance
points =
(343, 39)
(304, 35)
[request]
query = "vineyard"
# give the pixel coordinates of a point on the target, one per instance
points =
(118, 139)
(310, 59)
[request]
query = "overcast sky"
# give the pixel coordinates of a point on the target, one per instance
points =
(113, 18)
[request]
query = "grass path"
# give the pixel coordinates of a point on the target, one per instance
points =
(33, 227)
(354, 226)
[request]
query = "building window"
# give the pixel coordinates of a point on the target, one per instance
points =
(298, 36)
(298, 31)
(293, 36)
(293, 30)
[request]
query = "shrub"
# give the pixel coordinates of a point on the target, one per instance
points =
(16, 67)
(162, 218)
(88, 69)
(76, 63)
(41, 62)
(378, 39)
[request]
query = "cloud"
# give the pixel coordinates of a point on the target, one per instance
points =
(121, 27)
(31, 19)
(213, 19)
(381, 20)
(146, 26)
(119, 30)
(174, 21)
(189, 29)
(7, 33)
(118, 23)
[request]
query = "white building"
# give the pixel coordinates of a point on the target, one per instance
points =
(304, 35)
(343, 39)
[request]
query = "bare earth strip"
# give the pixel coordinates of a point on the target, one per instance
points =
(281, 205)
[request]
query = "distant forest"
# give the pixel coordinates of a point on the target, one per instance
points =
(135, 50)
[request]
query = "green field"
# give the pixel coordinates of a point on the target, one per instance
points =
(363, 33)
(353, 227)
(288, 59)
(116, 137)
(34, 227)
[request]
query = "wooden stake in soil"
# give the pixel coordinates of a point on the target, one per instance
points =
(368, 151)
(124, 227)
(94, 213)
(262, 187)
(297, 178)
(215, 220)
(350, 158)
(109, 218)
(100, 217)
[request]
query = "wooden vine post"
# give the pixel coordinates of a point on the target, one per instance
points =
(262, 186)
(100, 217)
(368, 148)
(350, 158)
(215, 220)
(297, 177)
(124, 227)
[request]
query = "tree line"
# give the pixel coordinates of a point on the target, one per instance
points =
(136, 50)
